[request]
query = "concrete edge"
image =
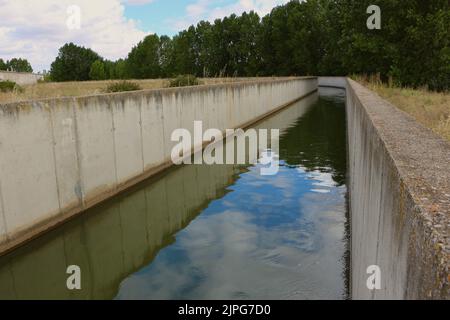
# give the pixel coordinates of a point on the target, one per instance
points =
(15, 72)
(126, 94)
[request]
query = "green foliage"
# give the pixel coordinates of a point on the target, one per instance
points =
(120, 69)
(3, 65)
(8, 86)
(19, 65)
(123, 86)
(16, 65)
(184, 81)
(97, 71)
(314, 37)
(143, 60)
(73, 63)
(411, 48)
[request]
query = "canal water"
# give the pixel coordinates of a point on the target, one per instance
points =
(211, 232)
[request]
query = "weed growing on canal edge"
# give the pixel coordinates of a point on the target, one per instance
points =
(184, 81)
(123, 86)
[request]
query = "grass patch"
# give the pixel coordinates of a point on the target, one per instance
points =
(184, 81)
(431, 109)
(10, 86)
(123, 86)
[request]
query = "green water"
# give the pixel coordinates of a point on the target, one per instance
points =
(211, 232)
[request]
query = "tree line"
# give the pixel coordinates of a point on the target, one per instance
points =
(16, 64)
(314, 37)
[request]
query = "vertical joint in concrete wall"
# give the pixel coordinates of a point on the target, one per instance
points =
(113, 140)
(79, 188)
(141, 132)
(49, 109)
(3, 215)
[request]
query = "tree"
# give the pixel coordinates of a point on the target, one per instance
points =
(120, 69)
(424, 43)
(276, 53)
(109, 69)
(185, 60)
(19, 65)
(73, 63)
(3, 65)
(97, 71)
(412, 47)
(165, 56)
(314, 37)
(249, 45)
(143, 60)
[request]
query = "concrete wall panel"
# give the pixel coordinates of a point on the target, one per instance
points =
(152, 130)
(127, 137)
(28, 175)
(65, 146)
(96, 146)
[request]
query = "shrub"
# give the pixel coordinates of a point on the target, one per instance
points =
(8, 86)
(184, 81)
(123, 86)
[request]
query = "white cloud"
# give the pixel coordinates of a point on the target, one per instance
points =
(211, 10)
(37, 29)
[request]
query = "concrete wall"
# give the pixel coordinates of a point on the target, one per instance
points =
(59, 157)
(21, 78)
(399, 201)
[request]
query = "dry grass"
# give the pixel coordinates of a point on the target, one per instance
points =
(71, 89)
(431, 109)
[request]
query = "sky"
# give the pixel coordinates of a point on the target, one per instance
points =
(35, 30)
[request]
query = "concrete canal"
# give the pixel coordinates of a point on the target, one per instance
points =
(212, 232)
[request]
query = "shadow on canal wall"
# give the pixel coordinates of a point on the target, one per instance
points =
(62, 156)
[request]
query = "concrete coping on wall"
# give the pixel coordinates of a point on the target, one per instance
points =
(423, 162)
(15, 72)
(131, 94)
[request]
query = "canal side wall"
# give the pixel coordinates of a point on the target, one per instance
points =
(399, 201)
(21, 78)
(61, 156)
